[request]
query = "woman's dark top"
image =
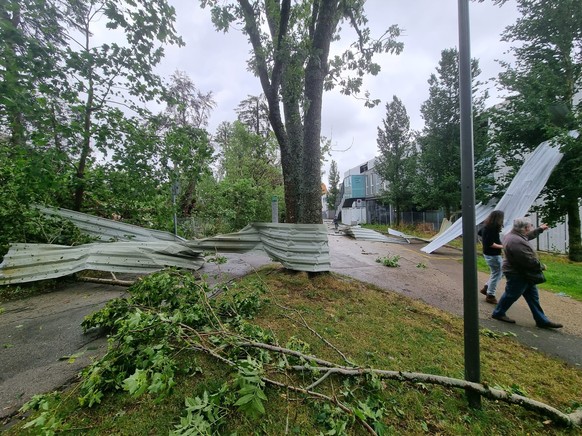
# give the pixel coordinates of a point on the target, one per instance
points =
(490, 236)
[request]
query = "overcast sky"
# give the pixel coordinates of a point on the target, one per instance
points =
(217, 62)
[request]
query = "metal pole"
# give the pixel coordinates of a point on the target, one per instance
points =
(274, 209)
(470, 309)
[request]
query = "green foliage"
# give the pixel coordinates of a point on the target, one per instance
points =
(396, 164)
(145, 330)
(47, 420)
(34, 227)
(204, 415)
(543, 87)
(54, 127)
(250, 176)
(390, 261)
(250, 388)
(229, 391)
(333, 186)
(437, 183)
(253, 112)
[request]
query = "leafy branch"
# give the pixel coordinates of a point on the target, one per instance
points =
(169, 314)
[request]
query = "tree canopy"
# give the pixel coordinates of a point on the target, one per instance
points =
(544, 87)
(396, 161)
(291, 43)
(439, 166)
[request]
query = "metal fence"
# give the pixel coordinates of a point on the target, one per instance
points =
(555, 239)
(380, 214)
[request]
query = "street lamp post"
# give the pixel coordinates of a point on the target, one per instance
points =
(470, 310)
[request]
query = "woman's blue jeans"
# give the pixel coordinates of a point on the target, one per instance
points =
(494, 263)
(515, 287)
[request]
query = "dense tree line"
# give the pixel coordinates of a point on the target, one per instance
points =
(75, 131)
(543, 85)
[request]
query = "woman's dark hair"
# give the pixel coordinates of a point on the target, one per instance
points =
(495, 220)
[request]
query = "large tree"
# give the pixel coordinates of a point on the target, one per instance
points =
(249, 176)
(395, 164)
(62, 90)
(186, 150)
(544, 86)
(291, 47)
(438, 184)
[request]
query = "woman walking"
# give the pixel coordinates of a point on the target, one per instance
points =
(492, 252)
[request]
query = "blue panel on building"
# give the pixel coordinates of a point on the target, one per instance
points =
(358, 186)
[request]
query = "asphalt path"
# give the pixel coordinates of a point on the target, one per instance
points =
(43, 348)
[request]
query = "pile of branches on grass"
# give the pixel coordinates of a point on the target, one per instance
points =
(169, 314)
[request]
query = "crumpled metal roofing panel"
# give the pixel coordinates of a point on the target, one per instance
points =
(31, 262)
(301, 247)
(370, 235)
(520, 195)
(109, 230)
(456, 229)
(242, 241)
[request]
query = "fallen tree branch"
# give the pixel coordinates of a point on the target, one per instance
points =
(115, 282)
(321, 396)
(572, 419)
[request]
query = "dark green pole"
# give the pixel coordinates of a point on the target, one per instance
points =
(470, 309)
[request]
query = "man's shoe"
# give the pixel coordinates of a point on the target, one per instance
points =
(504, 319)
(491, 299)
(550, 325)
(484, 289)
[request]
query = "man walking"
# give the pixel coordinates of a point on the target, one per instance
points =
(523, 271)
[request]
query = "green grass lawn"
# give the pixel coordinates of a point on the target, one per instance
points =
(337, 319)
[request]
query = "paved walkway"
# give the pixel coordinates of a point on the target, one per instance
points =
(42, 346)
(437, 279)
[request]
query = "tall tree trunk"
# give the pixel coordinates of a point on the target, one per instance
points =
(315, 72)
(574, 237)
(188, 200)
(87, 126)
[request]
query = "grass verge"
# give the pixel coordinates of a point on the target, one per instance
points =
(374, 329)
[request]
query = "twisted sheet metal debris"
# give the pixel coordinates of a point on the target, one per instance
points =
(370, 235)
(109, 230)
(31, 262)
(300, 247)
(520, 195)
(445, 224)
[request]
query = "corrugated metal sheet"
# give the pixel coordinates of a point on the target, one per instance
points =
(520, 195)
(301, 247)
(456, 229)
(110, 230)
(245, 240)
(31, 262)
(370, 235)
